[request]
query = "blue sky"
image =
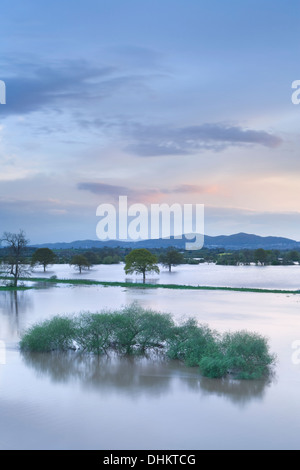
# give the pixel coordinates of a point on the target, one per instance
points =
(170, 101)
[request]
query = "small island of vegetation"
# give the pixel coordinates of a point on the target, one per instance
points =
(134, 330)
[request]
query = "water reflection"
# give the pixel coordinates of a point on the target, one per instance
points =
(45, 285)
(237, 391)
(9, 302)
(139, 280)
(12, 303)
(128, 375)
(138, 376)
(272, 277)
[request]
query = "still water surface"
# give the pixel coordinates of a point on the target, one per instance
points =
(69, 401)
(272, 277)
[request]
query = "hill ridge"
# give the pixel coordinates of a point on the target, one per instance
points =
(235, 241)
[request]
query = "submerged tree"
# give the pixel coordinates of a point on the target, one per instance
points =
(80, 262)
(134, 330)
(43, 256)
(16, 244)
(141, 261)
(171, 258)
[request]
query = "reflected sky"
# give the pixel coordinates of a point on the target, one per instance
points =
(77, 401)
(94, 403)
(269, 277)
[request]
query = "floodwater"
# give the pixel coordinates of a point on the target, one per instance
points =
(269, 277)
(73, 401)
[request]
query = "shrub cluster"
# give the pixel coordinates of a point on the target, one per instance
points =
(51, 335)
(134, 330)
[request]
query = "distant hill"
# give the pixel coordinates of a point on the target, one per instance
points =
(229, 242)
(245, 240)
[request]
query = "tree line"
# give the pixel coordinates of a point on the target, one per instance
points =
(17, 257)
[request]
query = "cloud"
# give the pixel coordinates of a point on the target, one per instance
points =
(161, 141)
(102, 188)
(58, 85)
(48, 220)
(193, 189)
(38, 87)
(142, 195)
(47, 205)
(152, 149)
(114, 191)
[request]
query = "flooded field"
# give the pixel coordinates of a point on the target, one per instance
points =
(73, 401)
(270, 277)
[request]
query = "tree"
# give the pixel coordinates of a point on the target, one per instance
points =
(43, 256)
(16, 245)
(171, 258)
(141, 261)
(80, 262)
(293, 255)
(92, 257)
(260, 256)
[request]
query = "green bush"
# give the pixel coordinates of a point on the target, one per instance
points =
(55, 334)
(94, 332)
(214, 367)
(248, 352)
(189, 342)
(137, 329)
(243, 355)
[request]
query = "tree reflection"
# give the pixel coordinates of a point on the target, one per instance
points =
(138, 376)
(239, 392)
(12, 305)
(130, 375)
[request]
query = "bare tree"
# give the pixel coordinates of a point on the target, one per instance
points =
(16, 244)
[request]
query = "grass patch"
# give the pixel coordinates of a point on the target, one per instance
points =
(140, 285)
(134, 330)
(13, 288)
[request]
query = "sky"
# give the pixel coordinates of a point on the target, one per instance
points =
(169, 101)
